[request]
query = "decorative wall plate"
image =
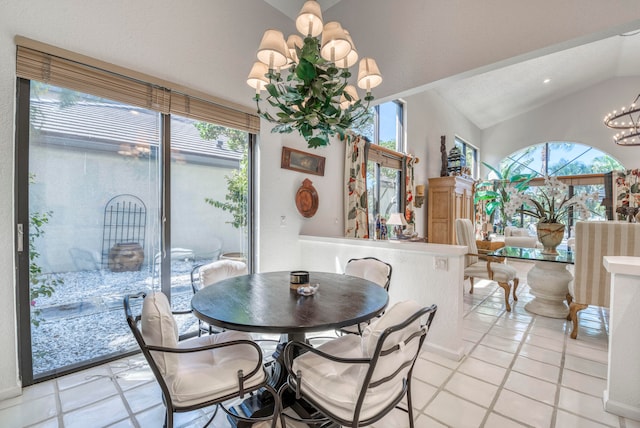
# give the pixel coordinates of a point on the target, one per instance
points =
(307, 199)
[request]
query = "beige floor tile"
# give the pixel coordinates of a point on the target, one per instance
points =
(421, 393)
(455, 412)
(498, 421)
(87, 393)
(103, 413)
(471, 389)
(584, 383)
(493, 356)
(500, 343)
(429, 372)
(531, 387)
(523, 409)
(582, 365)
(483, 370)
(537, 369)
(424, 421)
(506, 333)
(568, 420)
(586, 406)
(540, 354)
(545, 342)
(28, 413)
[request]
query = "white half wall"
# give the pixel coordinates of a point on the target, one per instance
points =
(413, 277)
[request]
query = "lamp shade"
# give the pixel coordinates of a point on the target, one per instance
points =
(397, 219)
(335, 44)
(273, 49)
(257, 78)
(309, 20)
(352, 57)
(351, 91)
(293, 41)
(368, 74)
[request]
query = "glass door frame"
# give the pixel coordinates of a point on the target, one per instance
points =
(21, 213)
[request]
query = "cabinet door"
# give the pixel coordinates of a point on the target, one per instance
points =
(441, 205)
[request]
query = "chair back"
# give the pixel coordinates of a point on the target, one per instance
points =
(465, 236)
(593, 241)
(370, 268)
(393, 343)
(216, 271)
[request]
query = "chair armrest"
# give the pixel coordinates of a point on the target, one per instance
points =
(291, 346)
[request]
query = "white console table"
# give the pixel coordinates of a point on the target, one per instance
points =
(426, 273)
(622, 396)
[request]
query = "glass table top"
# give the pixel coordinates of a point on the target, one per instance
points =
(563, 256)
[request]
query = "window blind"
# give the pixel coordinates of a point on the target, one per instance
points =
(385, 157)
(58, 67)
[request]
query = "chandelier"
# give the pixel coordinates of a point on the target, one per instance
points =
(626, 123)
(314, 98)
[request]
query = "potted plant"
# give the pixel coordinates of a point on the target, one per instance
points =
(494, 194)
(550, 204)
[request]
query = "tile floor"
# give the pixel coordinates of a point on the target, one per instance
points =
(521, 370)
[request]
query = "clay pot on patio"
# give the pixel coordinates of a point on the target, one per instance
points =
(126, 257)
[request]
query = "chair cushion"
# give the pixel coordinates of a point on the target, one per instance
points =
(159, 328)
(221, 269)
(369, 269)
(337, 386)
(501, 272)
(387, 364)
(211, 374)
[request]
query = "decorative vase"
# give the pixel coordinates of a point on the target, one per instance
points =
(550, 235)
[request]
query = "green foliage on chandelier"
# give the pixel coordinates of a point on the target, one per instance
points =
(309, 101)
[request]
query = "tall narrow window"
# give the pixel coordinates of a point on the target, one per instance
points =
(470, 154)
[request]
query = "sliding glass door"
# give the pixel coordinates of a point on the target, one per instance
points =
(114, 199)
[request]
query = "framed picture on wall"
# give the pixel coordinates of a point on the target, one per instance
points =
(300, 161)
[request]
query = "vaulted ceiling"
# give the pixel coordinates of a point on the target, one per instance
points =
(489, 97)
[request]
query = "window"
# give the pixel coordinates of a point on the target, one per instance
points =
(470, 154)
(580, 166)
(385, 131)
(124, 186)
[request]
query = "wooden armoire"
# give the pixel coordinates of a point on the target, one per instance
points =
(449, 198)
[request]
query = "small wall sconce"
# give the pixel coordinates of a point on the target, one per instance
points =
(419, 198)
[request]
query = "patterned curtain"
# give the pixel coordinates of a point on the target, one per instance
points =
(356, 218)
(409, 209)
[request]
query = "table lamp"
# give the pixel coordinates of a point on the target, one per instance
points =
(398, 222)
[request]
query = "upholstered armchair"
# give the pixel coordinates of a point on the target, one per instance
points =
(519, 237)
(484, 266)
(206, 275)
(374, 270)
(198, 372)
(591, 284)
(356, 380)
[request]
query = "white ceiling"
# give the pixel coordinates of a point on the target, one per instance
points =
(291, 8)
(491, 97)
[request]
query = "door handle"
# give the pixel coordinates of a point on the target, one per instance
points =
(20, 237)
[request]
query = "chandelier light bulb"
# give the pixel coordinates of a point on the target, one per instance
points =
(257, 76)
(335, 45)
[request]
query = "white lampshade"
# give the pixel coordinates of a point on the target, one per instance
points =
(257, 78)
(335, 45)
(309, 20)
(352, 57)
(397, 219)
(293, 41)
(273, 49)
(351, 90)
(368, 74)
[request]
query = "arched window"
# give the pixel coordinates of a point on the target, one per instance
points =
(582, 167)
(560, 158)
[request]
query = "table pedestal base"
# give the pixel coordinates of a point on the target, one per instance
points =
(549, 283)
